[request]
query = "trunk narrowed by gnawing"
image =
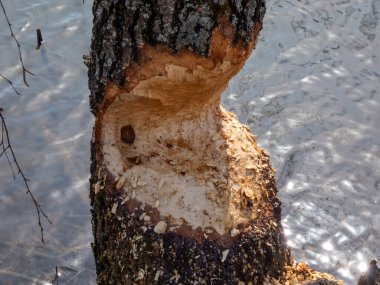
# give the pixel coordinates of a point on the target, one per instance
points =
(180, 191)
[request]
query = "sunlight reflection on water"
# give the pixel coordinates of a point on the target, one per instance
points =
(50, 132)
(315, 110)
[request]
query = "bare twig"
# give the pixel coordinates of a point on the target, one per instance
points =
(6, 147)
(56, 277)
(5, 144)
(10, 83)
(24, 70)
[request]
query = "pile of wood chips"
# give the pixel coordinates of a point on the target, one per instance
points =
(301, 273)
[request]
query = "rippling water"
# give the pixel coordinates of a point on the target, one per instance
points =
(310, 92)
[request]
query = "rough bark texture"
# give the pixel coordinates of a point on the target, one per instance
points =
(122, 28)
(180, 192)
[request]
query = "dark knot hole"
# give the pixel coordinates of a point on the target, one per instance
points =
(127, 134)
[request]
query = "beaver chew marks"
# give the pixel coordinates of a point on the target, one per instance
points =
(127, 134)
(192, 160)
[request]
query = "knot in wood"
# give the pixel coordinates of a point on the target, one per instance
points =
(127, 134)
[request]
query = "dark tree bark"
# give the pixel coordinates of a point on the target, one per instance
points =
(180, 192)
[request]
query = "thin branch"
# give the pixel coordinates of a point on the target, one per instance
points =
(9, 162)
(10, 82)
(5, 144)
(24, 70)
(7, 147)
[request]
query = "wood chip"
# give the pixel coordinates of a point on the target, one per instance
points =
(161, 183)
(141, 274)
(114, 208)
(160, 228)
(126, 199)
(147, 218)
(121, 181)
(134, 179)
(157, 276)
(224, 254)
(234, 232)
(97, 187)
(249, 192)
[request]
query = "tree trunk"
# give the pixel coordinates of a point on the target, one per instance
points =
(180, 192)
